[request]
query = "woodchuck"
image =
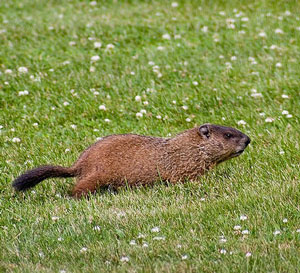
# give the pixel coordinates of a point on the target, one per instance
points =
(139, 160)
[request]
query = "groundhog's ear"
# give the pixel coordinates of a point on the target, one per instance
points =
(204, 131)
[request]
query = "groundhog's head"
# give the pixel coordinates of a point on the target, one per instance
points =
(222, 143)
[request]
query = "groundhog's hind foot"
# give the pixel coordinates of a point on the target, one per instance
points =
(84, 187)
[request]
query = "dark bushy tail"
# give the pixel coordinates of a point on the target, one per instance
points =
(37, 175)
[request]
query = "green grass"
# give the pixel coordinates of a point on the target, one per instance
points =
(262, 184)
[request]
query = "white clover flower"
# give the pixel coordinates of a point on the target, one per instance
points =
(166, 36)
(159, 238)
(66, 62)
(145, 245)
(124, 259)
(73, 126)
(244, 19)
(143, 111)
(158, 116)
(221, 57)
(205, 29)
(188, 120)
(195, 83)
(237, 227)
(16, 139)
(243, 217)
(262, 34)
(95, 58)
(141, 236)
(132, 242)
(276, 232)
(269, 119)
(23, 69)
(8, 71)
(139, 115)
(35, 124)
(138, 98)
(285, 112)
(145, 102)
(284, 96)
(222, 13)
(66, 103)
(273, 47)
(245, 232)
(102, 107)
(248, 254)
(62, 271)
(298, 230)
(223, 240)
(110, 46)
(256, 95)
(72, 43)
(284, 220)
(54, 218)
(228, 65)
(251, 59)
(185, 107)
(184, 257)
(174, 5)
(132, 73)
(177, 36)
(151, 63)
(278, 65)
(174, 101)
(23, 93)
(230, 20)
(93, 3)
(278, 31)
(92, 69)
(262, 114)
(59, 239)
(289, 116)
(241, 122)
(83, 250)
(160, 48)
(67, 150)
(179, 246)
(107, 120)
(233, 58)
(223, 251)
(97, 44)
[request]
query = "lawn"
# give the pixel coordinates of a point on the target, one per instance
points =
(73, 71)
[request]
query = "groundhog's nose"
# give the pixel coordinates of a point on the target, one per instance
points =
(247, 140)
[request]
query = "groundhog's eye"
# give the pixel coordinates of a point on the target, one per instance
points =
(228, 135)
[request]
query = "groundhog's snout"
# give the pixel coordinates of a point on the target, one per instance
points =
(244, 142)
(247, 140)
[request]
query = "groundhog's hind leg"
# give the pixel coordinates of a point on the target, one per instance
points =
(86, 185)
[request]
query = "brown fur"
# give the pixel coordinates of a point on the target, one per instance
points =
(140, 160)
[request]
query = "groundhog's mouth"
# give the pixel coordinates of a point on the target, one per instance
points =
(237, 153)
